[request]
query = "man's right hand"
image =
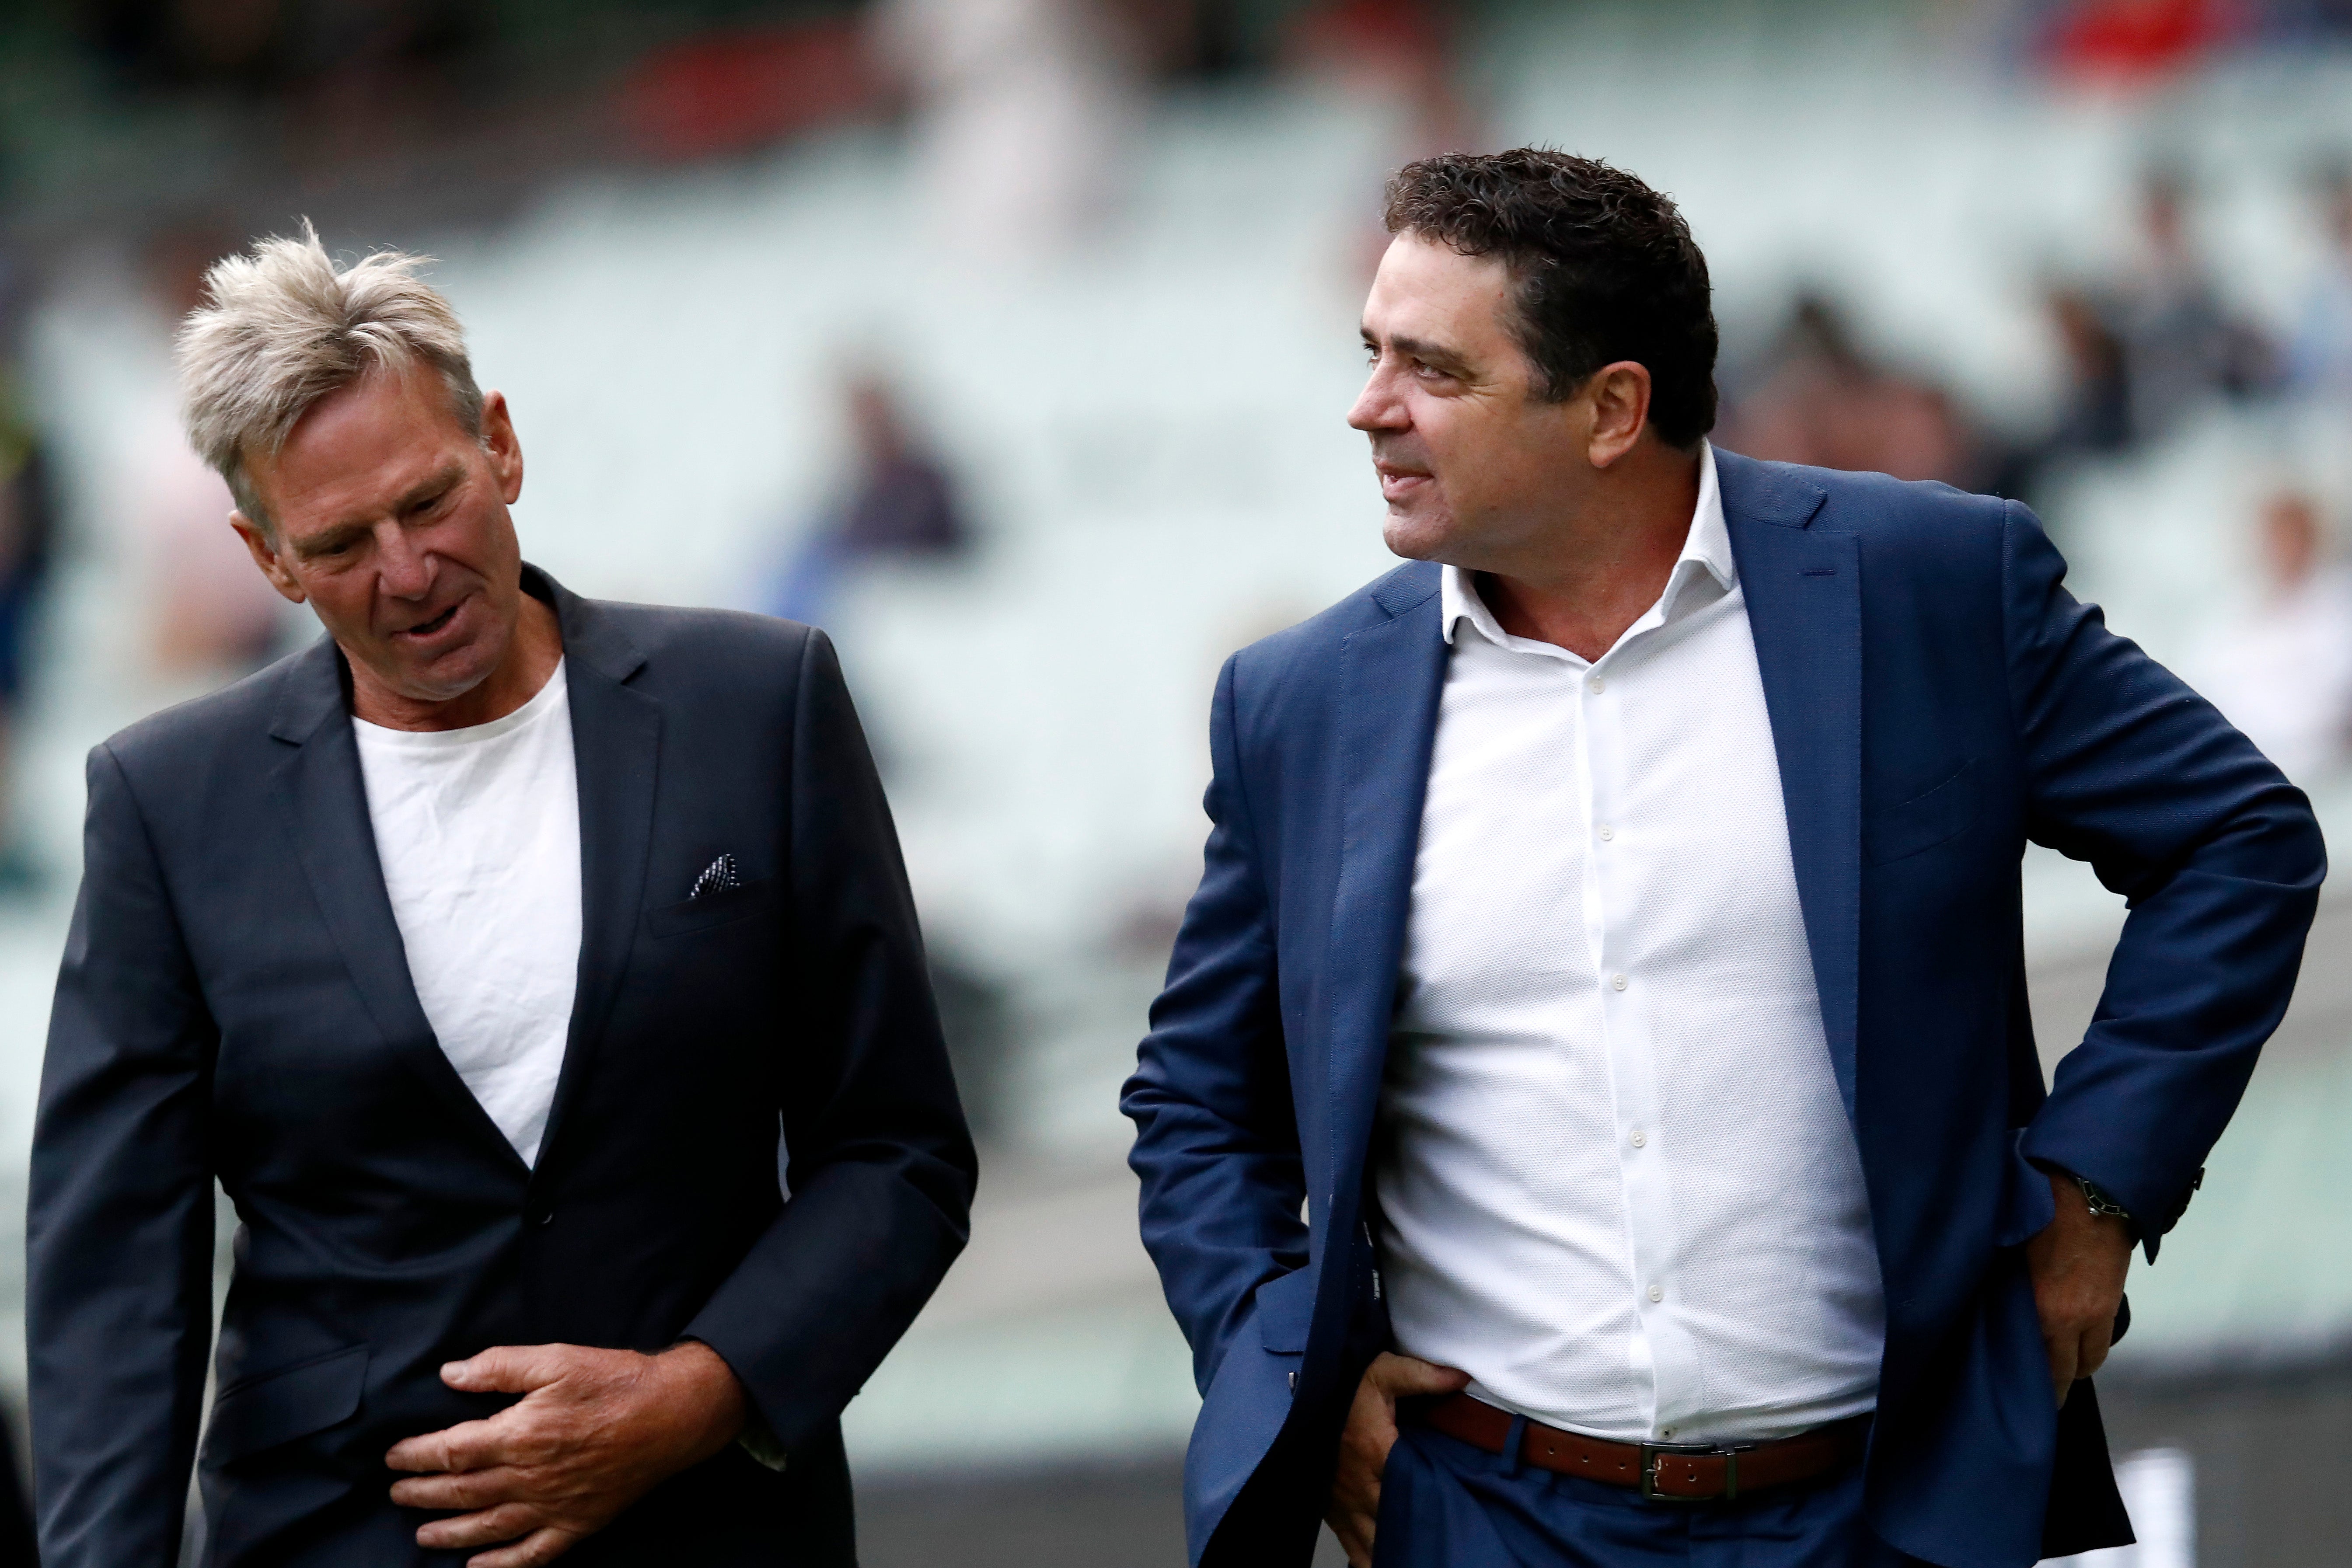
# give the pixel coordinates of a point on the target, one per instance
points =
(1354, 1510)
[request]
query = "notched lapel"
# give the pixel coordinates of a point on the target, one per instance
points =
(616, 742)
(1803, 588)
(1392, 674)
(325, 800)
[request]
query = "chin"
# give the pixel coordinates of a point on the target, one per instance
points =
(448, 677)
(1415, 539)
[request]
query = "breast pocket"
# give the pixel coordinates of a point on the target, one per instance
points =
(724, 907)
(258, 1413)
(1932, 817)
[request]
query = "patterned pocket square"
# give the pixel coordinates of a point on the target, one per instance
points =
(717, 877)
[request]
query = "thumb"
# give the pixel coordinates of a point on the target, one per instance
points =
(506, 1369)
(1405, 1376)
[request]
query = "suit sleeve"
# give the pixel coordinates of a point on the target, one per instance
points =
(1216, 1139)
(881, 1166)
(119, 1235)
(2217, 856)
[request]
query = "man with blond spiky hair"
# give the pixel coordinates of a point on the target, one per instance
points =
(482, 952)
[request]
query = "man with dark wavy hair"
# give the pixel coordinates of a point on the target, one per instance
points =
(1593, 1117)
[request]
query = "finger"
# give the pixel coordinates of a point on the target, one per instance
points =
(541, 1546)
(2061, 1363)
(468, 1446)
(2092, 1353)
(488, 1528)
(509, 1369)
(463, 1492)
(1406, 1375)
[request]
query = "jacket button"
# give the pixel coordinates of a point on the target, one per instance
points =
(538, 1216)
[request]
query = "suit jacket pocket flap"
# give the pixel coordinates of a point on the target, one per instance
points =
(1286, 1311)
(279, 1406)
(719, 908)
(1924, 821)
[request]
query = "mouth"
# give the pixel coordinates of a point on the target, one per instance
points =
(426, 629)
(1397, 483)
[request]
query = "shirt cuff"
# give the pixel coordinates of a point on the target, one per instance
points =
(758, 1441)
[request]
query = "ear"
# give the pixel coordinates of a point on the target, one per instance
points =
(1620, 395)
(498, 439)
(265, 556)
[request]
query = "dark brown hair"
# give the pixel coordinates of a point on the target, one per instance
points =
(1606, 269)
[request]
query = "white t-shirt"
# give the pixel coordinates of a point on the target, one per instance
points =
(479, 834)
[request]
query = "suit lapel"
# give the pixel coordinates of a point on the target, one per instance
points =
(616, 742)
(616, 735)
(324, 797)
(1803, 588)
(1392, 674)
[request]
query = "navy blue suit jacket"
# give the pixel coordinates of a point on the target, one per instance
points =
(1936, 699)
(234, 1003)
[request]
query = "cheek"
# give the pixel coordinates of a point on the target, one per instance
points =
(341, 600)
(1460, 452)
(478, 537)
(1435, 431)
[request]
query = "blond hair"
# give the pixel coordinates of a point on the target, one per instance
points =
(282, 328)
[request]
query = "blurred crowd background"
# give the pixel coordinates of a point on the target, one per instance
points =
(1009, 340)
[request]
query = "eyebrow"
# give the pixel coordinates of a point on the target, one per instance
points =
(416, 495)
(428, 489)
(1434, 355)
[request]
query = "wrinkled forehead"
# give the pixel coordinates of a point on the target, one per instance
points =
(362, 451)
(1427, 290)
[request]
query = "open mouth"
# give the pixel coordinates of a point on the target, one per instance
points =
(426, 628)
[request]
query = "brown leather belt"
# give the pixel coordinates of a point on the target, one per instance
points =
(1671, 1472)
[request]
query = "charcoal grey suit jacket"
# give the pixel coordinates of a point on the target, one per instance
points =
(234, 1003)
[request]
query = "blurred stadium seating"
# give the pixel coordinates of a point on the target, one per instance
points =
(1146, 429)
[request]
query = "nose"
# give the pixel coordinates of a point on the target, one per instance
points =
(403, 571)
(1378, 407)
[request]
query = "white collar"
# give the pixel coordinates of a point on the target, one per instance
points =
(1707, 547)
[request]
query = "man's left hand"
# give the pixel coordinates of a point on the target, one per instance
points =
(595, 1430)
(2078, 1261)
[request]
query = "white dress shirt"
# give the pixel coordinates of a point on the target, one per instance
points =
(1617, 1182)
(477, 830)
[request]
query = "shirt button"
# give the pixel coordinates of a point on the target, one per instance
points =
(1640, 1138)
(1658, 1293)
(1618, 982)
(1607, 833)
(1599, 686)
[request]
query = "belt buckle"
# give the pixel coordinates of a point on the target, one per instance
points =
(1654, 1452)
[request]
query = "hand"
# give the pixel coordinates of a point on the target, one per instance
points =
(2078, 1261)
(594, 1431)
(1354, 1510)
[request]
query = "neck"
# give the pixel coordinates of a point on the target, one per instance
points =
(1595, 571)
(531, 655)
